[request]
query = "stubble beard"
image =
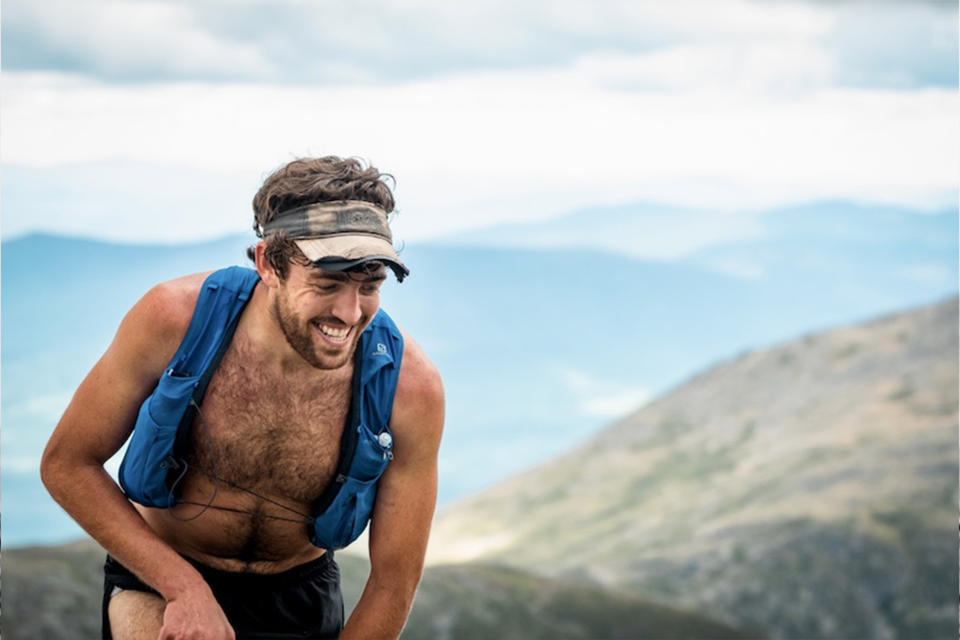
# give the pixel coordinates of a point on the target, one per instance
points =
(301, 339)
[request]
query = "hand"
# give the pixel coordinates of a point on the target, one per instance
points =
(195, 616)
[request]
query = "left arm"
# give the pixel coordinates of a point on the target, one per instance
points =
(406, 497)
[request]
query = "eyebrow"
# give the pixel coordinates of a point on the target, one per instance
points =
(343, 277)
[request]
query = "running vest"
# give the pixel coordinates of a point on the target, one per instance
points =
(154, 462)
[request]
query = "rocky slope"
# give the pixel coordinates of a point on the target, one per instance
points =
(54, 593)
(807, 490)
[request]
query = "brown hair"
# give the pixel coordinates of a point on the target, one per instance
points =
(306, 181)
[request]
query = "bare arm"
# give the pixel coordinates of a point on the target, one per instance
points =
(406, 498)
(95, 425)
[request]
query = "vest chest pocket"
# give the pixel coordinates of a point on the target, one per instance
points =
(143, 471)
(373, 453)
(171, 397)
(347, 516)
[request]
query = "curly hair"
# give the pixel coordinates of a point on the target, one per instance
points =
(306, 181)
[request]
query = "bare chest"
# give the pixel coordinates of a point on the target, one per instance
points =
(269, 434)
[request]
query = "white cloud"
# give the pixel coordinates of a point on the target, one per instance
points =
(786, 68)
(369, 41)
(132, 39)
(598, 398)
(737, 268)
(602, 104)
(511, 145)
(22, 464)
(927, 274)
(616, 405)
(38, 409)
(372, 39)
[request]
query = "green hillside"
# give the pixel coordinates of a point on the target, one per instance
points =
(54, 593)
(807, 490)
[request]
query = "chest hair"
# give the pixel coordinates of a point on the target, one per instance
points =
(273, 434)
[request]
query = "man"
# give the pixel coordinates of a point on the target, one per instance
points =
(278, 456)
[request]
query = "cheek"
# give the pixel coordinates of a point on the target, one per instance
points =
(369, 305)
(308, 303)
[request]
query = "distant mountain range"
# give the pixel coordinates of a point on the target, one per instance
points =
(807, 490)
(749, 244)
(539, 347)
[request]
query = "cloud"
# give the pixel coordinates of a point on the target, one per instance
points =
(738, 268)
(128, 201)
(516, 145)
(123, 41)
(789, 68)
(388, 41)
(616, 405)
(26, 465)
(44, 409)
(643, 231)
(598, 398)
(499, 111)
(895, 44)
(927, 274)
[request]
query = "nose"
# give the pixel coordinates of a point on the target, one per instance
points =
(346, 306)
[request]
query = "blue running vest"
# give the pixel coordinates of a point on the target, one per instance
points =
(154, 462)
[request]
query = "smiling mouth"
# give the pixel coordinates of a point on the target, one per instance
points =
(337, 335)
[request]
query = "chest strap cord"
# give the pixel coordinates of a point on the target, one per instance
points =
(186, 467)
(304, 518)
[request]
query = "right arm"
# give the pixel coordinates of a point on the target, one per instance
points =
(95, 425)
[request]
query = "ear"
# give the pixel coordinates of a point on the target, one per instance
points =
(268, 276)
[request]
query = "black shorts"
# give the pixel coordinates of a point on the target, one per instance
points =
(302, 602)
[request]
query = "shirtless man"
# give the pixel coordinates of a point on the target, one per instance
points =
(235, 554)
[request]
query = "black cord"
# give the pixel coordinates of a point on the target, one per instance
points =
(186, 467)
(243, 511)
(304, 518)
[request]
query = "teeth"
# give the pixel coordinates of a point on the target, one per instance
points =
(334, 332)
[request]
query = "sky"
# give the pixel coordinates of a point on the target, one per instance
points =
(156, 121)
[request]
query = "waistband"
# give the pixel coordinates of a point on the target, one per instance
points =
(296, 574)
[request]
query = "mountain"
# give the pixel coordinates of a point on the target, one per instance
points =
(538, 348)
(806, 490)
(54, 593)
(908, 244)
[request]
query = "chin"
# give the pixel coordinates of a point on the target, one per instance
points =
(325, 358)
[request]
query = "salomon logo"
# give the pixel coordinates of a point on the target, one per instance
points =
(381, 350)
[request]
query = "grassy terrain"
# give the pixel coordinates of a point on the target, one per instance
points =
(54, 593)
(807, 490)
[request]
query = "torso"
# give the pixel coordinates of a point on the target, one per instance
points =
(263, 449)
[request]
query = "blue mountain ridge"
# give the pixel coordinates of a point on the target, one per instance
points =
(526, 339)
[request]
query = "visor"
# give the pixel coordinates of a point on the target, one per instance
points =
(340, 235)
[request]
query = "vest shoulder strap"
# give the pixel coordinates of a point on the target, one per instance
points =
(222, 298)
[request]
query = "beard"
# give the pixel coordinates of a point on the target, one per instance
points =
(300, 336)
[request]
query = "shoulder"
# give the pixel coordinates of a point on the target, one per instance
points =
(156, 324)
(419, 396)
(419, 378)
(168, 307)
